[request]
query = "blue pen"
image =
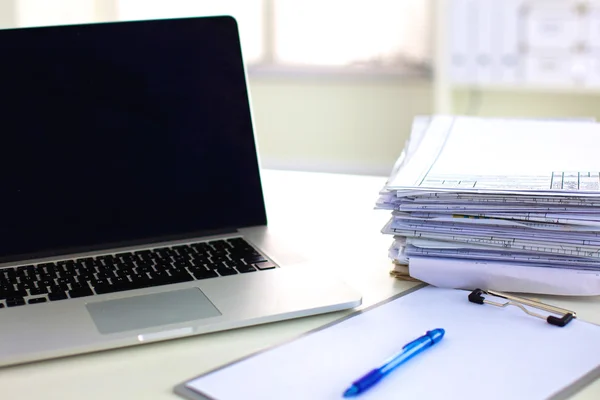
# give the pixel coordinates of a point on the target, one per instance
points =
(408, 351)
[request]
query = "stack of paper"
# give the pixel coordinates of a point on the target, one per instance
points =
(505, 204)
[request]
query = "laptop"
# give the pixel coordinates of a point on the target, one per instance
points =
(132, 207)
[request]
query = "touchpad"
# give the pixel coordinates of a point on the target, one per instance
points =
(145, 311)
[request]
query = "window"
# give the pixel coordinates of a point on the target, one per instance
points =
(350, 32)
(43, 12)
(359, 35)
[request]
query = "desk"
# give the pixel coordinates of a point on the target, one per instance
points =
(332, 217)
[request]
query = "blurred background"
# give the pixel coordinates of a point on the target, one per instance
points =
(335, 84)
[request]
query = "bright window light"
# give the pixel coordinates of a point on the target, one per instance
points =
(346, 32)
(56, 12)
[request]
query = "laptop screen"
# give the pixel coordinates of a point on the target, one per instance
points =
(122, 133)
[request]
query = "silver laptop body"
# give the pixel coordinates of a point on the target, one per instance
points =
(132, 204)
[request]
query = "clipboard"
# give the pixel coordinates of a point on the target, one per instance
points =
(567, 357)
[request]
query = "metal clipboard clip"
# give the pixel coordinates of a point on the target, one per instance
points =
(477, 296)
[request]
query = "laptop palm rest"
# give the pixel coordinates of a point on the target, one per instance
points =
(146, 311)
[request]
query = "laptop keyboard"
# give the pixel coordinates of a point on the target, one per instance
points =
(31, 284)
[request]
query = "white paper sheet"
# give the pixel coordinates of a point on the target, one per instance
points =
(418, 129)
(517, 244)
(590, 238)
(466, 219)
(471, 207)
(499, 225)
(504, 276)
(584, 219)
(493, 198)
(487, 352)
(539, 260)
(496, 154)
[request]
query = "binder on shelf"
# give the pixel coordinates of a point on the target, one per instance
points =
(461, 62)
(484, 49)
(506, 28)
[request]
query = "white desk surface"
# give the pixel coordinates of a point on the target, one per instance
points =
(332, 218)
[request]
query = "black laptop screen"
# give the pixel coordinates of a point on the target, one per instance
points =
(123, 132)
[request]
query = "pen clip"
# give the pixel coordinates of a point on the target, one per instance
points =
(567, 316)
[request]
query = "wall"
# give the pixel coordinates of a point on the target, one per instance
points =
(525, 103)
(336, 124)
(7, 14)
(360, 126)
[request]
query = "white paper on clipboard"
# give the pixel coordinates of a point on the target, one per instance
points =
(498, 352)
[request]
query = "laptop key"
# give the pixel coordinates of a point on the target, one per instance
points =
(243, 268)
(210, 265)
(78, 285)
(80, 292)
(11, 293)
(107, 288)
(156, 279)
(159, 275)
(144, 269)
(55, 296)
(219, 259)
(226, 271)
(56, 289)
(99, 282)
(15, 301)
(10, 274)
(46, 282)
(86, 277)
(139, 278)
(37, 300)
(219, 244)
(203, 273)
(178, 278)
(264, 265)
(63, 287)
(38, 290)
(119, 281)
(104, 275)
(254, 259)
(199, 260)
(63, 282)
